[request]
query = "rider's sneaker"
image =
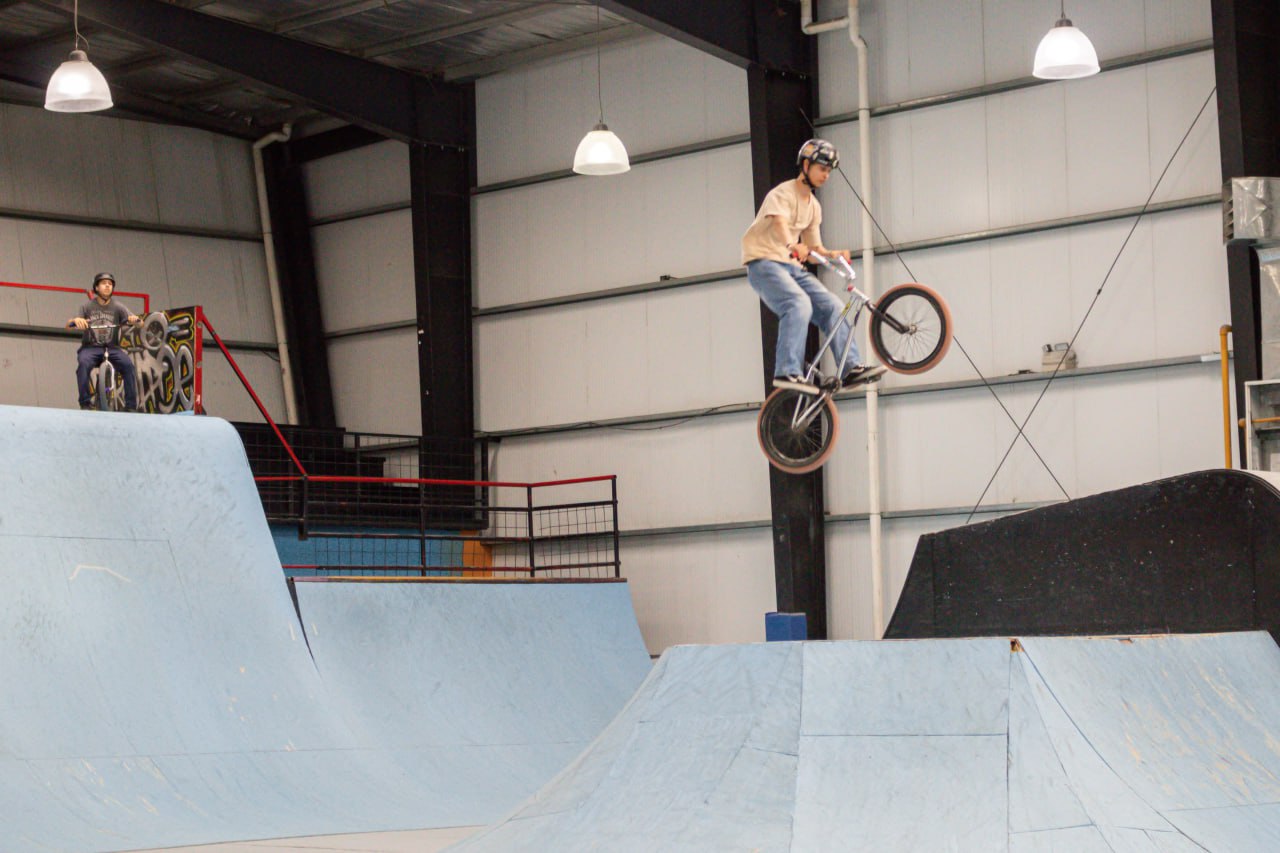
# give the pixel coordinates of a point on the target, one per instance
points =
(862, 374)
(794, 383)
(86, 407)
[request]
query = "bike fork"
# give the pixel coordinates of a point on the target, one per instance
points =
(806, 409)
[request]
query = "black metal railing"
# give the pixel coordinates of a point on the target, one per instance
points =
(540, 536)
(379, 464)
(366, 503)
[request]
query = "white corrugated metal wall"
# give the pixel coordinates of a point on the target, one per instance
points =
(1004, 160)
(1013, 159)
(139, 182)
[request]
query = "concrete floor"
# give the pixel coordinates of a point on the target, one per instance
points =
(412, 841)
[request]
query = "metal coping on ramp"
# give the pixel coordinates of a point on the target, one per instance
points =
(1085, 744)
(159, 691)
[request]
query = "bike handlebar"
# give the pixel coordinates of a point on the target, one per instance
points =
(841, 267)
(71, 324)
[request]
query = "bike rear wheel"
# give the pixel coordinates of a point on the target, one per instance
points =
(792, 445)
(923, 333)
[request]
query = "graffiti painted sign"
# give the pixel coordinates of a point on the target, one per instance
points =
(162, 347)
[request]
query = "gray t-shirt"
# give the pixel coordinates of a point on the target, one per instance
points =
(99, 315)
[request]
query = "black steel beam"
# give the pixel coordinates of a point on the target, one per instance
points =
(441, 178)
(386, 100)
(778, 102)
(299, 291)
(1246, 50)
(337, 141)
(743, 32)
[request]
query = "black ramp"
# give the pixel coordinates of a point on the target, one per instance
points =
(1189, 554)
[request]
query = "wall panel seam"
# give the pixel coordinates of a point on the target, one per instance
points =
(914, 246)
(998, 88)
(129, 225)
(637, 159)
(898, 391)
(18, 330)
(1130, 61)
(833, 518)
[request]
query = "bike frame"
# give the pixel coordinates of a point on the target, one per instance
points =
(806, 411)
(109, 397)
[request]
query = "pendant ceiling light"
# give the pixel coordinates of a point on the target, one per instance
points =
(1065, 53)
(77, 86)
(600, 152)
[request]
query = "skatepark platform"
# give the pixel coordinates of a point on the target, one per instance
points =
(1163, 744)
(159, 689)
(1194, 553)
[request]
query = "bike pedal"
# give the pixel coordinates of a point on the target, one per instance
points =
(793, 385)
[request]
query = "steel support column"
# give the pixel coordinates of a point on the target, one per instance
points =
(778, 127)
(441, 178)
(1246, 48)
(299, 292)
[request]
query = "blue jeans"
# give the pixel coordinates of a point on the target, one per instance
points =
(799, 298)
(90, 356)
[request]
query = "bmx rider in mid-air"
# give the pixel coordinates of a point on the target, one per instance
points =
(781, 238)
(101, 320)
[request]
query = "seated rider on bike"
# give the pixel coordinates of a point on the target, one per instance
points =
(101, 320)
(784, 233)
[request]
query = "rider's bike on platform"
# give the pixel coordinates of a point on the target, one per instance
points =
(100, 320)
(106, 382)
(909, 329)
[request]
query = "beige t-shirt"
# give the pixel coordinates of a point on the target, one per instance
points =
(802, 216)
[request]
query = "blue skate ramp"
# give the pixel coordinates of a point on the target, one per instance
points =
(1160, 743)
(158, 688)
(463, 678)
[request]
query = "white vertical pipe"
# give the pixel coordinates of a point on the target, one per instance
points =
(273, 276)
(853, 22)
(869, 285)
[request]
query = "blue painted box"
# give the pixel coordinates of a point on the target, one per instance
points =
(785, 626)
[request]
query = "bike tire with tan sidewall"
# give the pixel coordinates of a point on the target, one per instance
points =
(772, 418)
(932, 310)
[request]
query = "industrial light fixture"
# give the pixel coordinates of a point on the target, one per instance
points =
(77, 86)
(1065, 53)
(600, 152)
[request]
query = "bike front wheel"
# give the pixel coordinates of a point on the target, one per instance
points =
(797, 432)
(910, 328)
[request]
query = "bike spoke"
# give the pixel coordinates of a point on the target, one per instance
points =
(923, 330)
(796, 430)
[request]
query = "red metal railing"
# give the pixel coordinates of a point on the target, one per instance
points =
(204, 321)
(145, 297)
(568, 537)
(420, 481)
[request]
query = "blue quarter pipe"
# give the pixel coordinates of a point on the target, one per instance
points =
(158, 687)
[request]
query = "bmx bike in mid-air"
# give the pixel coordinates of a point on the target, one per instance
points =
(910, 331)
